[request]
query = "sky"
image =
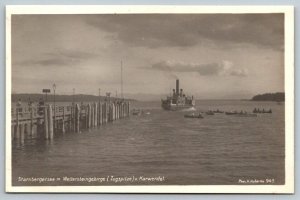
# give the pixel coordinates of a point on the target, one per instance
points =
(215, 56)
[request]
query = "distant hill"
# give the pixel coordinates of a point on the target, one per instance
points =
(58, 98)
(279, 96)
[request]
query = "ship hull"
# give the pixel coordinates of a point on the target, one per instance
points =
(175, 107)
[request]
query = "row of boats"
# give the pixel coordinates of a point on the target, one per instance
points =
(234, 113)
(199, 115)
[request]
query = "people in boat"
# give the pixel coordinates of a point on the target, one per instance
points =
(257, 110)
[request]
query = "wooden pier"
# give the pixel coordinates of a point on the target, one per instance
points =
(46, 122)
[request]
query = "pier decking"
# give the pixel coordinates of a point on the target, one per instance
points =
(48, 121)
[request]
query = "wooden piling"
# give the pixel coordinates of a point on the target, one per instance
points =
(13, 131)
(122, 106)
(46, 126)
(122, 109)
(109, 112)
(31, 122)
(114, 111)
(86, 116)
(71, 118)
(17, 123)
(22, 133)
(77, 118)
(26, 129)
(17, 133)
(80, 117)
(50, 122)
(125, 109)
(100, 113)
(89, 115)
(54, 120)
(117, 110)
(106, 112)
(93, 115)
(128, 108)
(96, 114)
(63, 122)
(74, 118)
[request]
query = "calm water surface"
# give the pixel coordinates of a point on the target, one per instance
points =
(218, 149)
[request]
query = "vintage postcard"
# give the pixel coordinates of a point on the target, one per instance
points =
(150, 99)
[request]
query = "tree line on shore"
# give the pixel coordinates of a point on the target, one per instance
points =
(278, 96)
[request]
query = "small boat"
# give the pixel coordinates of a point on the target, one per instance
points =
(210, 112)
(136, 112)
(246, 115)
(218, 111)
(231, 113)
(257, 110)
(147, 113)
(199, 116)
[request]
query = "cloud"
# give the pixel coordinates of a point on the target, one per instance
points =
(184, 30)
(59, 58)
(224, 68)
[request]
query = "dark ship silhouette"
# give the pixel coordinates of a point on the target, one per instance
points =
(178, 100)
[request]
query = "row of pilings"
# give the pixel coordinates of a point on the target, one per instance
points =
(46, 122)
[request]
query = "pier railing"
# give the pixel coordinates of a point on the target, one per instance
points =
(48, 121)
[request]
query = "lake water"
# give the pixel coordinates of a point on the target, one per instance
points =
(162, 148)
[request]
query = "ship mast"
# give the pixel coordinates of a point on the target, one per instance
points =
(122, 80)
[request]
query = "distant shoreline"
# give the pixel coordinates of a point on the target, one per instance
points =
(35, 97)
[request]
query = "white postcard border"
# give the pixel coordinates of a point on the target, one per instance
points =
(288, 187)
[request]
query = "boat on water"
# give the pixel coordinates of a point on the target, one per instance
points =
(193, 115)
(246, 115)
(210, 112)
(218, 111)
(136, 112)
(231, 113)
(257, 110)
(178, 100)
(241, 114)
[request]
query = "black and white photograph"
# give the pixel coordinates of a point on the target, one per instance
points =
(158, 99)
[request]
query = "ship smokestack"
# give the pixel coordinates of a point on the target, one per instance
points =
(177, 86)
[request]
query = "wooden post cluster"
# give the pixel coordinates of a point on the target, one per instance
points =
(40, 122)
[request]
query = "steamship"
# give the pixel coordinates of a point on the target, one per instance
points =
(178, 100)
